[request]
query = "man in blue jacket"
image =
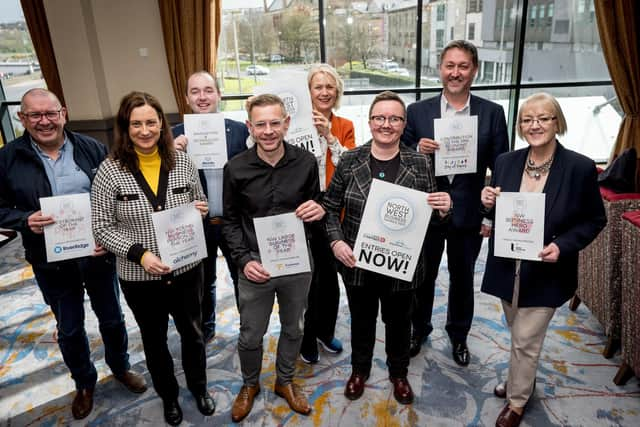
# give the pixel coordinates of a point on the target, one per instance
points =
(51, 161)
(458, 67)
(203, 95)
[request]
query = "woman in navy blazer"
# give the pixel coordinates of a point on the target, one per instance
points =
(574, 215)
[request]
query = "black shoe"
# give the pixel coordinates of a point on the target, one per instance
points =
(206, 404)
(461, 353)
(172, 412)
(415, 345)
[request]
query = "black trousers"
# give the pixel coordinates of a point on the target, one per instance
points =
(324, 295)
(151, 303)
(396, 316)
(463, 247)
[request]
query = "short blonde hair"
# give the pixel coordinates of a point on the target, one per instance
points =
(331, 72)
(264, 100)
(548, 101)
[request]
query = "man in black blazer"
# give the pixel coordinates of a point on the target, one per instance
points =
(458, 67)
(203, 95)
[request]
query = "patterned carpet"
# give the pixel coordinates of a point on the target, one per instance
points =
(574, 382)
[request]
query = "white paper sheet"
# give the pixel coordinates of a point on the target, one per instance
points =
(519, 225)
(180, 235)
(294, 91)
(282, 244)
(70, 236)
(207, 140)
(458, 138)
(392, 230)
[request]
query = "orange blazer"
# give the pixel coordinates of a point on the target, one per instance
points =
(342, 129)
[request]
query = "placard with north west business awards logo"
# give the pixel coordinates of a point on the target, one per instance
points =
(282, 244)
(294, 92)
(207, 140)
(71, 235)
(392, 230)
(180, 235)
(519, 225)
(458, 138)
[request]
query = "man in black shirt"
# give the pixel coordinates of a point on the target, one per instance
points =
(271, 178)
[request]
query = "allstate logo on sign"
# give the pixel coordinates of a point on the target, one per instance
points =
(396, 214)
(57, 249)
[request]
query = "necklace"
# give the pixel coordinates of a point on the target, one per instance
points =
(536, 172)
(379, 168)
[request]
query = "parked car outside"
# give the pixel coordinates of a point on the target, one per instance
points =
(257, 70)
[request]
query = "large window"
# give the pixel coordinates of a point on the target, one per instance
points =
(19, 68)
(379, 45)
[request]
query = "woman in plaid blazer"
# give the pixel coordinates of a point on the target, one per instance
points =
(142, 175)
(384, 157)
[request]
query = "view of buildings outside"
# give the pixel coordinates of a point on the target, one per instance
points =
(19, 68)
(374, 45)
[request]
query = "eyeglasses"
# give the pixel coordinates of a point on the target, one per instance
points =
(273, 124)
(393, 120)
(36, 116)
(542, 121)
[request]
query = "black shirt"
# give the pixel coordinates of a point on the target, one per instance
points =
(253, 188)
(386, 170)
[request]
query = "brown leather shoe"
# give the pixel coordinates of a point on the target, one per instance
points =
(501, 390)
(402, 390)
(294, 397)
(82, 403)
(508, 417)
(355, 386)
(133, 381)
(244, 402)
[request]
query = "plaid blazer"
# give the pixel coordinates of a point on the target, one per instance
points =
(121, 208)
(349, 189)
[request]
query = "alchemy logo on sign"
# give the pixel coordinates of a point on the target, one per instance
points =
(396, 214)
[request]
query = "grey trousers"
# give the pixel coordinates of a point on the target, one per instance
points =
(256, 304)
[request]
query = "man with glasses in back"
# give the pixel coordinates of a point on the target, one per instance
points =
(51, 161)
(458, 68)
(203, 96)
(270, 178)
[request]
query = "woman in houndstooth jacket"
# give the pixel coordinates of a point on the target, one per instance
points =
(142, 175)
(384, 157)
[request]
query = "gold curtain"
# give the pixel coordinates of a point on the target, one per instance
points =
(191, 30)
(618, 22)
(36, 18)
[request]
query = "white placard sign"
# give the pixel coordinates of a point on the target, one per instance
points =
(294, 92)
(458, 138)
(519, 225)
(282, 244)
(392, 230)
(207, 140)
(180, 235)
(70, 236)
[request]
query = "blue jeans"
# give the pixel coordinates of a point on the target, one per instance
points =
(62, 285)
(215, 240)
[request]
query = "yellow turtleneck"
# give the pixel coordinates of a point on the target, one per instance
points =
(150, 168)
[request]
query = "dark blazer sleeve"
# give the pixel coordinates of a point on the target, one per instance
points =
(584, 230)
(237, 134)
(410, 136)
(333, 200)
(500, 135)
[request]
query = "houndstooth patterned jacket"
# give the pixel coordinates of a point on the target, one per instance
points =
(349, 189)
(121, 208)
